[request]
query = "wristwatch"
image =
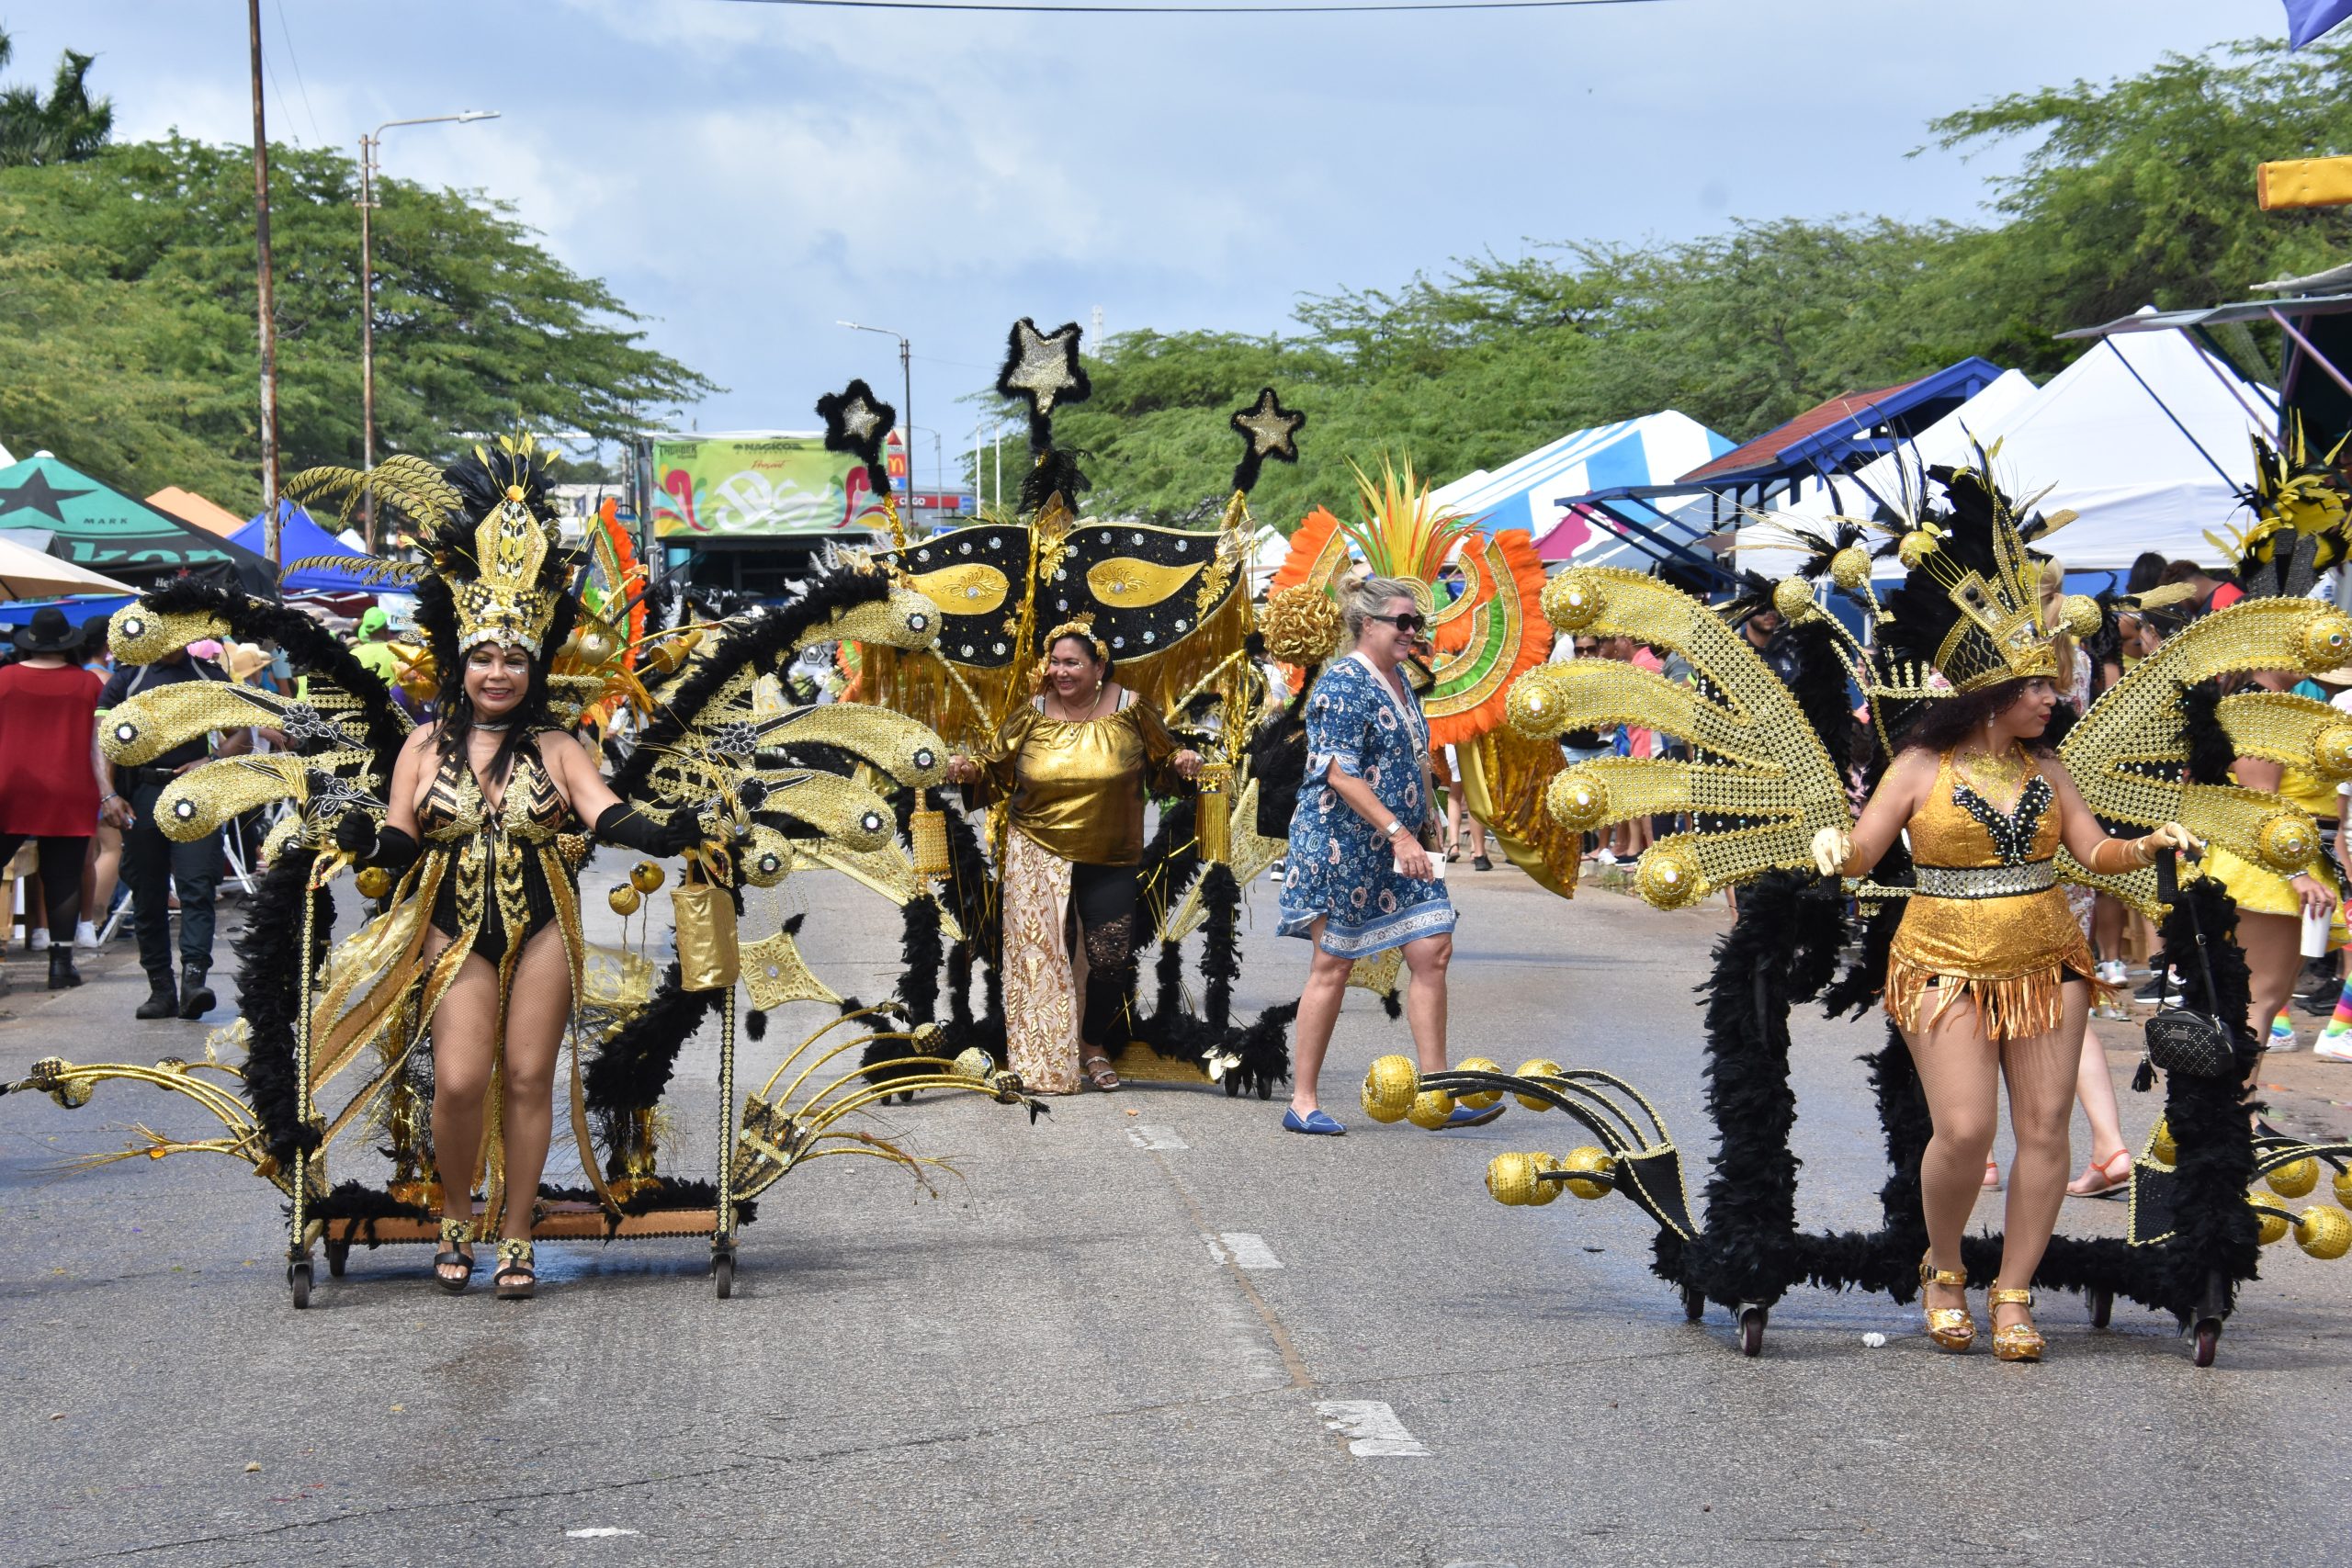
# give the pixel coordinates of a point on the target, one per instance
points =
(1392, 828)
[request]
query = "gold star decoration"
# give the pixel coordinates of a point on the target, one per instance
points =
(1042, 368)
(1272, 431)
(857, 421)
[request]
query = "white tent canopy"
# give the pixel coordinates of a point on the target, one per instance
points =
(1654, 449)
(2144, 437)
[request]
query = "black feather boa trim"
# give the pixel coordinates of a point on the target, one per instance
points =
(2211, 753)
(309, 647)
(270, 991)
(633, 1069)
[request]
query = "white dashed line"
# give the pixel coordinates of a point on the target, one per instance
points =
(1155, 1138)
(1242, 1250)
(1373, 1426)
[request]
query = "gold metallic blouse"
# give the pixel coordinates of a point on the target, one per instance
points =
(1077, 789)
(1987, 918)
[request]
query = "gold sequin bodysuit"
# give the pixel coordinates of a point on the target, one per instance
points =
(500, 883)
(1987, 918)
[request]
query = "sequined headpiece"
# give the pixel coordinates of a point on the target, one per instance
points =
(505, 602)
(1970, 607)
(1079, 627)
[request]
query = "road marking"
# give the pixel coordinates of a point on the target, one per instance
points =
(1376, 1431)
(1155, 1138)
(596, 1531)
(1242, 1250)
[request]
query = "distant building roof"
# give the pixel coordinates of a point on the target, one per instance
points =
(1764, 452)
(1850, 429)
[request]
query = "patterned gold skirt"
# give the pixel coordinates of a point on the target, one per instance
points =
(2012, 955)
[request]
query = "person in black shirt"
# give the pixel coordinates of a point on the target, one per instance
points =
(153, 864)
(1769, 637)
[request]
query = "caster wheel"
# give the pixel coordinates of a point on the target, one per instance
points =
(722, 1274)
(338, 1259)
(1751, 1330)
(1695, 1304)
(2102, 1306)
(297, 1279)
(2209, 1341)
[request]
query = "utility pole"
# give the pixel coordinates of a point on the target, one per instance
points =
(268, 301)
(368, 147)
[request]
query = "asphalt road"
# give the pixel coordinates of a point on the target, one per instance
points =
(1152, 1329)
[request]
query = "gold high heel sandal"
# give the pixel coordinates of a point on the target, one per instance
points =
(1950, 1328)
(2016, 1341)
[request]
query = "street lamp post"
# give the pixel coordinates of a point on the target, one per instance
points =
(368, 146)
(907, 382)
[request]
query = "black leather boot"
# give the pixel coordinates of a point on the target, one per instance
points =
(62, 976)
(162, 1002)
(196, 996)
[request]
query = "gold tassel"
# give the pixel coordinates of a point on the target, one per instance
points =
(2010, 1007)
(1213, 823)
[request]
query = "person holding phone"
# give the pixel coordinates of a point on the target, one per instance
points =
(1359, 878)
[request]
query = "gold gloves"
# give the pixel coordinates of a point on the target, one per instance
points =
(1832, 848)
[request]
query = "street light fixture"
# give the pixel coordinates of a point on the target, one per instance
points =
(906, 381)
(368, 145)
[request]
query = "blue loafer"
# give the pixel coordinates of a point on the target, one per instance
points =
(1463, 1116)
(1313, 1121)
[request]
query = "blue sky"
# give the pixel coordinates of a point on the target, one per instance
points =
(747, 175)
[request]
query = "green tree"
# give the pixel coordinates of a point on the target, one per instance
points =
(2142, 191)
(478, 329)
(67, 126)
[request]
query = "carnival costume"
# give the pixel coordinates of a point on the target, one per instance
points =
(1759, 789)
(1074, 796)
(1171, 607)
(750, 796)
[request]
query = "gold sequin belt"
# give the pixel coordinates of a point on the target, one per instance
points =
(1984, 881)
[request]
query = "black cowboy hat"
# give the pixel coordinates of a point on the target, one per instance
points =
(48, 632)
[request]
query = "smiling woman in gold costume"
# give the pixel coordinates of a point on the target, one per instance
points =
(1074, 764)
(1989, 976)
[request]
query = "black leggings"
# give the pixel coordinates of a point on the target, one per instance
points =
(1102, 900)
(60, 877)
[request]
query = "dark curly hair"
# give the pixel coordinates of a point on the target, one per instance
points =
(1944, 722)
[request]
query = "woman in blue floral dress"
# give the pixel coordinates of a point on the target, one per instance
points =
(1358, 881)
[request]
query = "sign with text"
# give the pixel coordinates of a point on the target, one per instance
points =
(735, 487)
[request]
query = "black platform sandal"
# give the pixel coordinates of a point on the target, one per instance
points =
(515, 1280)
(453, 1234)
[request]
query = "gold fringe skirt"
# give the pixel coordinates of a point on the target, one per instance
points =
(2012, 956)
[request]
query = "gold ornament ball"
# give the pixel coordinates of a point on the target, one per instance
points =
(2288, 839)
(1596, 1161)
(1430, 1110)
(2161, 1148)
(1537, 705)
(2323, 1232)
(1915, 547)
(1850, 567)
(1541, 1067)
(1511, 1180)
(1792, 597)
(2326, 642)
(2294, 1179)
(374, 882)
(1668, 878)
(2332, 752)
(1478, 1100)
(1389, 1087)
(1302, 626)
(1572, 601)
(645, 876)
(2273, 1225)
(972, 1062)
(624, 900)
(1578, 800)
(2081, 617)
(2342, 1185)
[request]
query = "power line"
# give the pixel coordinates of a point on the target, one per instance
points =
(1162, 10)
(288, 34)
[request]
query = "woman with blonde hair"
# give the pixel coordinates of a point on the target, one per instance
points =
(1359, 880)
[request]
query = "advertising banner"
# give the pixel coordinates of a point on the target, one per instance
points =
(735, 487)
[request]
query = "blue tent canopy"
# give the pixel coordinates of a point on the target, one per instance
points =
(298, 538)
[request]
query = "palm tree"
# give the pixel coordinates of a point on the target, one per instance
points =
(65, 128)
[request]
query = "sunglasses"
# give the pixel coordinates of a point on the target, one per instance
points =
(1408, 623)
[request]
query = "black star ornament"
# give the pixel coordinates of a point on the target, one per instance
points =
(857, 421)
(1272, 431)
(1042, 369)
(37, 494)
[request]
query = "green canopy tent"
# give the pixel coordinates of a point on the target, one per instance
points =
(98, 526)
